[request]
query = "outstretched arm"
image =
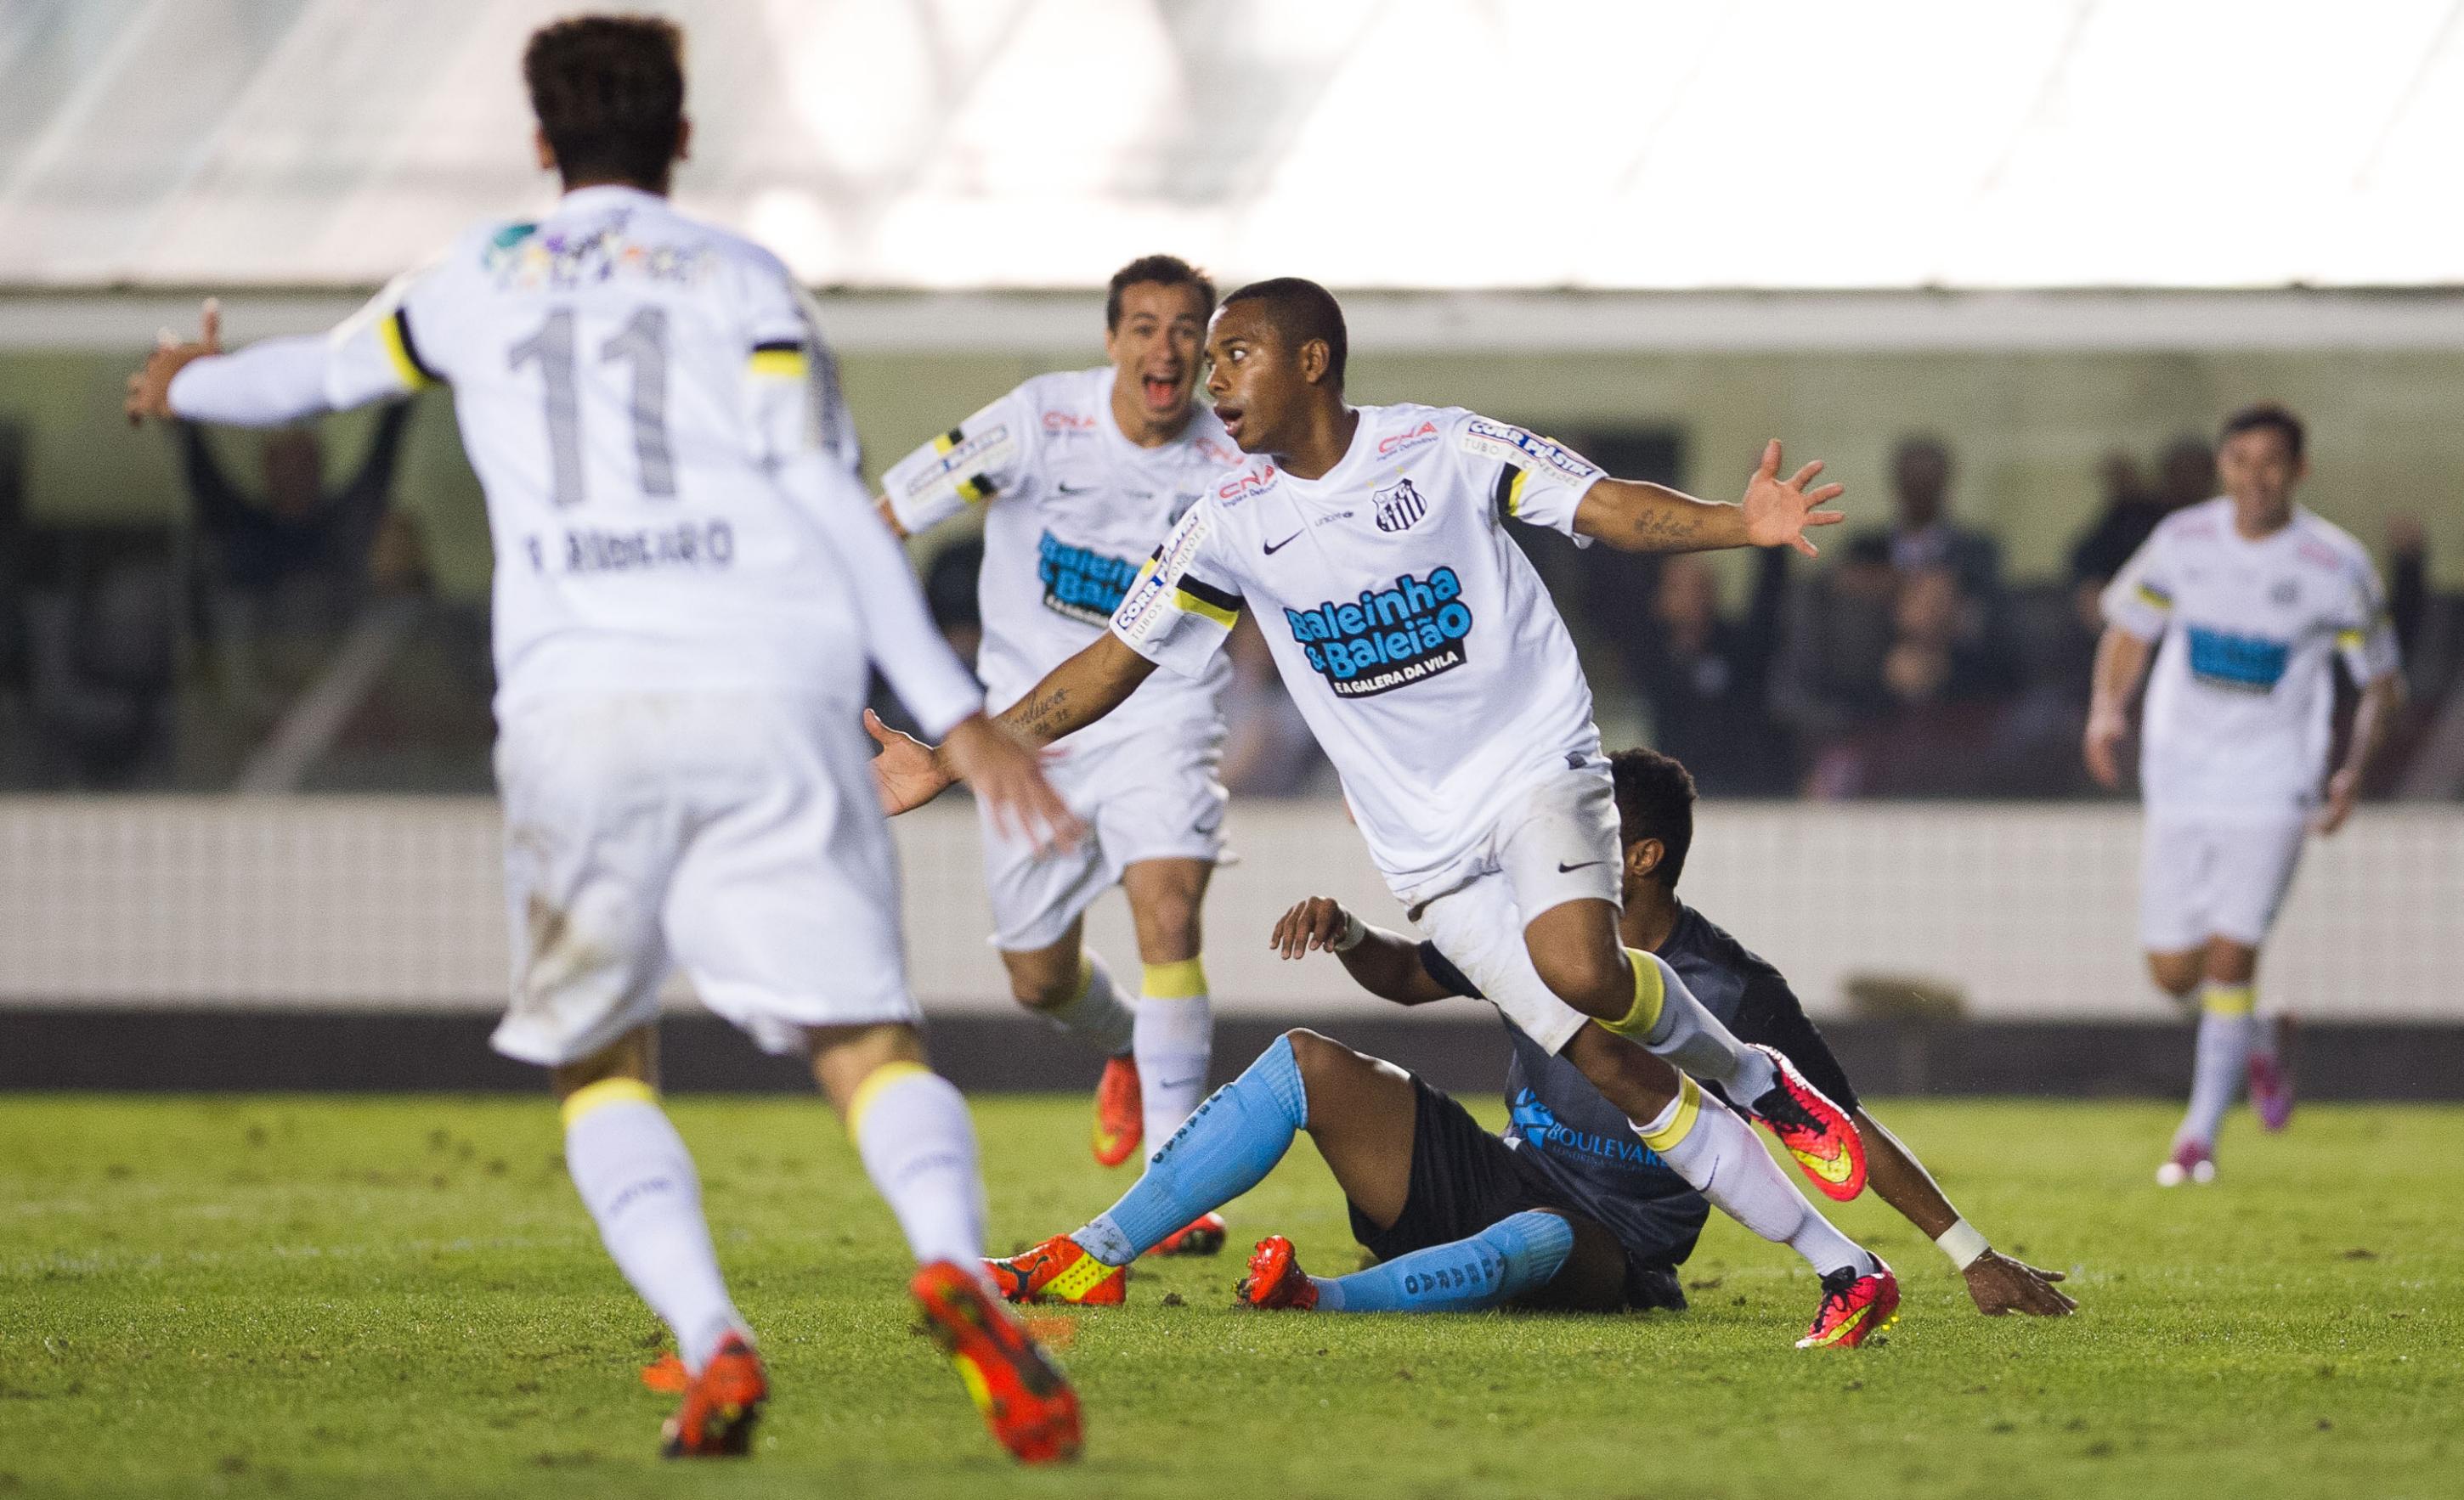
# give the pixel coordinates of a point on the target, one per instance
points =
(2380, 697)
(1385, 963)
(1996, 1283)
(2121, 661)
(909, 772)
(1634, 515)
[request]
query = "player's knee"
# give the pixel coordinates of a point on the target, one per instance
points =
(1319, 1059)
(2177, 975)
(1042, 988)
(1594, 982)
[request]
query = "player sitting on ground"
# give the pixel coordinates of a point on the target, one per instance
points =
(1076, 474)
(1424, 652)
(691, 586)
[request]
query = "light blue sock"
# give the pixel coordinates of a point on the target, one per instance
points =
(1509, 1258)
(1223, 1149)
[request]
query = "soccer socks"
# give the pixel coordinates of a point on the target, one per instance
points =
(1174, 1040)
(1670, 1023)
(1509, 1258)
(918, 1146)
(1096, 1013)
(1224, 1148)
(638, 1181)
(1711, 1146)
(2227, 1024)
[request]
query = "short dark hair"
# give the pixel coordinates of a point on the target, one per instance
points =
(1655, 799)
(2265, 414)
(1302, 311)
(609, 94)
(1162, 271)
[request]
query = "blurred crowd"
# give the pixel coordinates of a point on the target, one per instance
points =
(287, 634)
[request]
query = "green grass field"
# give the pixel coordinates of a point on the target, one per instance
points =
(295, 1296)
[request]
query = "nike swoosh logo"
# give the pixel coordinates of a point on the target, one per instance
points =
(1180, 1083)
(1273, 547)
(1076, 490)
(1568, 869)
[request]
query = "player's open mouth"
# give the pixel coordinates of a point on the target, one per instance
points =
(1162, 391)
(1230, 417)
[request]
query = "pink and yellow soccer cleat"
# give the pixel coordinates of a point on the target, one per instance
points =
(1024, 1398)
(1059, 1270)
(2192, 1162)
(1854, 1307)
(1275, 1280)
(1120, 1113)
(1818, 1134)
(721, 1405)
(1203, 1235)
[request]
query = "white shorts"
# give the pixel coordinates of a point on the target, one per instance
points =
(2200, 879)
(1558, 844)
(1151, 796)
(736, 834)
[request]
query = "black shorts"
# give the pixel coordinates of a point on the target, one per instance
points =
(1464, 1180)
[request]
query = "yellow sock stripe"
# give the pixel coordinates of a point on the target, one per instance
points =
(404, 367)
(1650, 992)
(2229, 999)
(1174, 980)
(1078, 1280)
(870, 1090)
(1690, 1108)
(603, 1093)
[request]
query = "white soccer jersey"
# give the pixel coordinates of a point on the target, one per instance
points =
(2237, 723)
(1409, 627)
(1072, 508)
(670, 473)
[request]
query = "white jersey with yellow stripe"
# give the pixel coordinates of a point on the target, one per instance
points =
(671, 475)
(1072, 508)
(2239, 704)
(1415, 636)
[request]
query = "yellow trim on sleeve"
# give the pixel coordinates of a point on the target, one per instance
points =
(971, 490)
(2153, 599)
(869, 1091)
(1189, 604)
(1650, 992)
(2349, 639)
(405, 368)
(592, 1096)
(787, 364)
(1514, 491)
(1690, 1108)
(1175, 980)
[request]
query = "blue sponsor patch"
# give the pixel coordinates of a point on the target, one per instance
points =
(1389, 638)
(1079, 583)
(2244, 664)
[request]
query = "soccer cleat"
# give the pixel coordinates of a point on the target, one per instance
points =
(1059, 1270)
(1120, 1115)
(1203, 1235)
(1854, 1307)
(721, 1405)
(1275, 1279)
(2190, 1162)
(1025, 1399)
(2271, 1077)
(1817, 1133)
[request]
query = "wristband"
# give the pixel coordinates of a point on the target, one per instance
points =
(1963, 1243)
(1355, 934)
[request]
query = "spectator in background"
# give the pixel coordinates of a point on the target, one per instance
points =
(1923, 535)
(2185, 475)
(1706, 680)
(1828, 684)
(1269, 749)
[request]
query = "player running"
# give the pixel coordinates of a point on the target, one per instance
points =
(1077, 474)
(1433, 670)
(690, 585)
(2243, 600)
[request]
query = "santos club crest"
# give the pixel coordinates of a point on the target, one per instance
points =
(1400, 506)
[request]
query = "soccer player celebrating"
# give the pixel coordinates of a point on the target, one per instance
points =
(2243, 600)
(1431, 666)
(690, 584)
(1078, 473)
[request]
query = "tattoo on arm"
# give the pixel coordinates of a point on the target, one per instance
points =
(1041, 716)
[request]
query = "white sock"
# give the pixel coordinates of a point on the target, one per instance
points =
(1095, 1013)
(918, 1145)
(1694, 1041)
(638, 1181)
(1716, 1151)
(1175, 1041)
(2227, 1024)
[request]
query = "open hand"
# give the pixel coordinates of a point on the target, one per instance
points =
(2343, 790)
(1998, 1284)
(150, 390)
(1779, 514)
(1007, 777)
(1313, 924)
(904, 773)
(2101, 746)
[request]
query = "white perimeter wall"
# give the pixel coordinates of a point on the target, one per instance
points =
(393, 903)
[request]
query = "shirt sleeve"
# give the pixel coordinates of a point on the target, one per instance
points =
(1529, 478)
(981, 458)
(2139, 602)
(2365, 631)
(1184, 602)
(371, 356)
(1450, 978)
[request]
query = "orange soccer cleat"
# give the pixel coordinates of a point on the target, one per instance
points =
(1025, 1399)
(1120, 1113)
(1818, 1134)
(1059, 1270)
(721, 1405)
(1854, 1307)
(1203, 1235)
(1275, 1279)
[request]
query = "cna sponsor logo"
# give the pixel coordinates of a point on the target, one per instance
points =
(1247, 485)
(1068, 422)
(1537, 1123)
(1395, 442)
(1388, 637)
(1079, 583)
(1400, 506)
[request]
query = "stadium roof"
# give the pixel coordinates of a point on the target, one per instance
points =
(1609, 145)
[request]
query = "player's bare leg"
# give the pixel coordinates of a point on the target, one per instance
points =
(1073, 987)
(638, 1181)
(1173, 1040)
(2227, 1049)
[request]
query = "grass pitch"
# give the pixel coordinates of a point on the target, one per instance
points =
(293, 1296)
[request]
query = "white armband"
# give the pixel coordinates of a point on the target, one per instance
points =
(1963, 1243)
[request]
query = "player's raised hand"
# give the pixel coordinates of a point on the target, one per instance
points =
(2101, 746)
(1009, 779)
(150, 390)
(1313, 924)
(1777, 513)
(1998, 1284)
